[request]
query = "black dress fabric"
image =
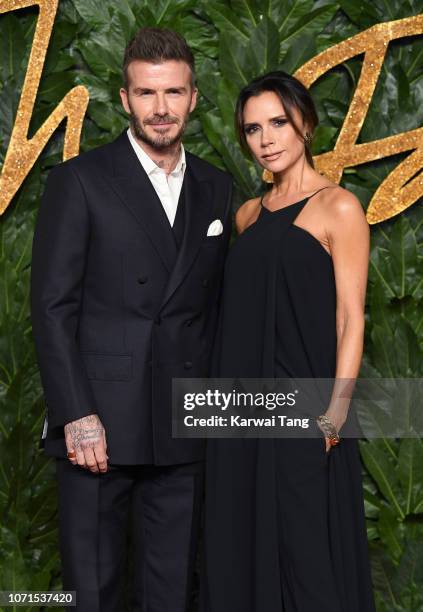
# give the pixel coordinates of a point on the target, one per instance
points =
(284, 520)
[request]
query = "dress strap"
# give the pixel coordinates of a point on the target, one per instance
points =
(325, 187)
(303, 200)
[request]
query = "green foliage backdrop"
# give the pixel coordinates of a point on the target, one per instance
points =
(233, 41)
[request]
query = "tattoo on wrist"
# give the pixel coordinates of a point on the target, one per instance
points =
(86, 431)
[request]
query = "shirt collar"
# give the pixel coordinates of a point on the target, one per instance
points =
(149, 165)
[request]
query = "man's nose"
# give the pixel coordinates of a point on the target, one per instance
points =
(160, 107)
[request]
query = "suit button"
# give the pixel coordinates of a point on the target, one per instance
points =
(157, 320)
(188, 365)
(142, 279)
(188, 323)
(205, 282)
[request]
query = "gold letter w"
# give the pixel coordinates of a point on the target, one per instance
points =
(23, 153)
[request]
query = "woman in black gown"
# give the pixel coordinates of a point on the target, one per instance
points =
(284, 518)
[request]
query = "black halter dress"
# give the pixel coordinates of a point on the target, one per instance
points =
(284, 520)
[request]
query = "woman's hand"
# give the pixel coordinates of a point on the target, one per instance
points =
(337, 420)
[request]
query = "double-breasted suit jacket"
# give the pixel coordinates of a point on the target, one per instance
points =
(118, 309)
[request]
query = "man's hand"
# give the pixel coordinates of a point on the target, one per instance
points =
(87, 438)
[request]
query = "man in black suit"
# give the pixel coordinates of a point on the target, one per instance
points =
(127, 261)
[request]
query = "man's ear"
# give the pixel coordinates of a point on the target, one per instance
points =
(193, 99)
(124, 97)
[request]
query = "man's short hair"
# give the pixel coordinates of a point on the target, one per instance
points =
(157, 45)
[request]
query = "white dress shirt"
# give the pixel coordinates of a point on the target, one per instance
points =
(167, 188)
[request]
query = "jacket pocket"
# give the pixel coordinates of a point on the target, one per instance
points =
(212, 241)
(101, 366)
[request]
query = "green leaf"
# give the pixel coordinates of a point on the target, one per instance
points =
(287, 14)
(226, 100)
(165, 10)
(100, 113)
(230, 153)
(234, 63)
(323, 135)
(103, 50)
(264, 47)
(12, 47)
(310, 24)
(98, 88)
(403, 257)
(407, 581)
(363, 14)
(93, 12)
(228, 22)
(391, 531)
(9, 100)
(201, 36)
(403, 86)
(383, 573)
(410, 470)
(55, 86)
(208, 77)
(396, 265)
(299, 52)
(372, 503)
(125, 18)
(381, 468)
(247, 11)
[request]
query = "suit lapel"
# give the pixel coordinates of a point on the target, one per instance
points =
(198, 209)
(133, 186)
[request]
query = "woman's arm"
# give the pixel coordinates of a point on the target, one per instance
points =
(349, 239)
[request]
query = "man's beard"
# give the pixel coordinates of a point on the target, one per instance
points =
(162, 141)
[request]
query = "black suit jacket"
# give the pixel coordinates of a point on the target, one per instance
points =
(117, 309)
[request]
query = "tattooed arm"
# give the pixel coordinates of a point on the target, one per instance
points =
(87, 437)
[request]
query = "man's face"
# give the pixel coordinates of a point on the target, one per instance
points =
(159, 100)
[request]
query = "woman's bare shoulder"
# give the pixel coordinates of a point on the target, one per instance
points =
(342, 203)
(343, 211)
(246, 214)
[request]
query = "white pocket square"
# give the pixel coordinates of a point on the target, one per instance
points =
(215, 228)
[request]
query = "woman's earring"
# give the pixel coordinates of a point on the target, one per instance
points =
(307, 139)
(267, 176)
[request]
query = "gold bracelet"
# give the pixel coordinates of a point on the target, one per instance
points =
(328, 429)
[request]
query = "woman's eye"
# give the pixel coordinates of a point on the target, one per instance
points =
(279, 122)
(250, 130)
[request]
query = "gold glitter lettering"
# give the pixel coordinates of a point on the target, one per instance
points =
(393, 195)
(401, 188)
(23, 153)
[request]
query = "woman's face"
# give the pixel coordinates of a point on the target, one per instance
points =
(271, 138)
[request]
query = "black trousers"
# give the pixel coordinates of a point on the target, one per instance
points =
(164, 505)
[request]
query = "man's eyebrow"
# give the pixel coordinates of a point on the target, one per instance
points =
(148, 90)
